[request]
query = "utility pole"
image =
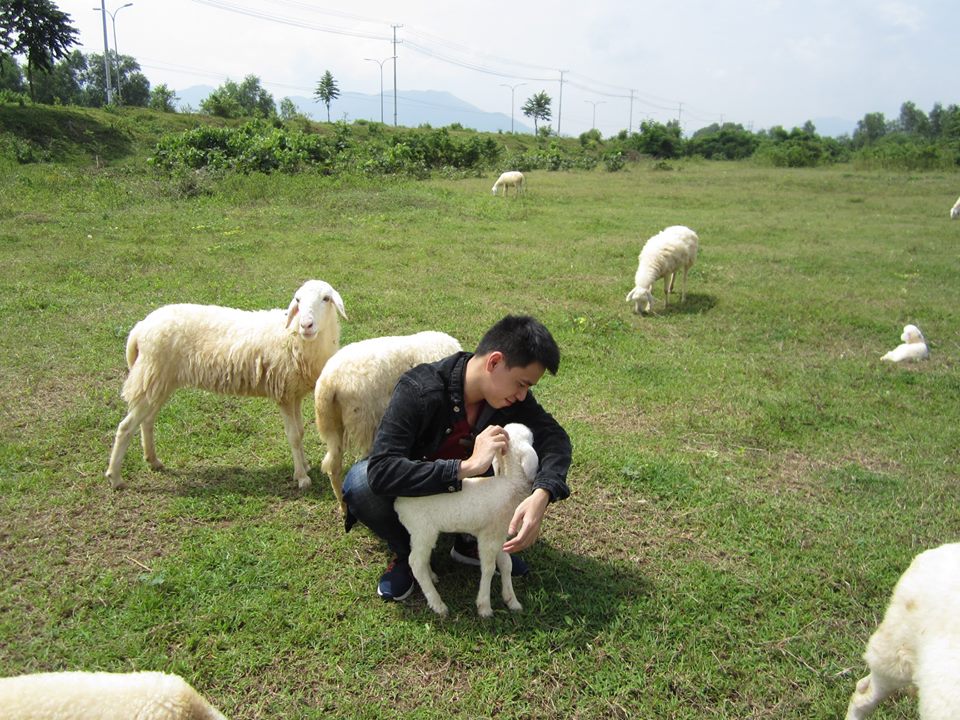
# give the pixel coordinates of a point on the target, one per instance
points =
(595, 103)
(106, 52)
(560, 104)
(380, 63)
(630, 126)
(679, 115)
(512, 88)
(395, 73)
(116, 49)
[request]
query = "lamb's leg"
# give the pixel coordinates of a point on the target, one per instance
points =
(505, 564)
(146, 434)
(487, 549)
(870, 691)
(421, 545)
(293, 427)
(137, 411)
(332, 465)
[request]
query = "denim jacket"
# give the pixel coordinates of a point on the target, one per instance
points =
(427, 402)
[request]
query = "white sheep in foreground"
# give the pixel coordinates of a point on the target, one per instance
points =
(914, 346)
(918, 642)
(510, 179)
(355, 387)
(229, 351)
(955, 210)
(483, 508)
(669, 251)
(102, 696)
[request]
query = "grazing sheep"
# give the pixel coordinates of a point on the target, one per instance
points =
(355, 386)
(229, 351)
(670, 250)
(510, 179)
(102, 696)
(955, 210)
(483, 508)
(914, 346)
(918, 642)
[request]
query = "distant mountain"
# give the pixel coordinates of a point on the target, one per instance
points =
(414, 108)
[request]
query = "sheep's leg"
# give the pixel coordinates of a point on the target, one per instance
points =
(487, 549)
(332, 465)
(870, 692)
(667, 285)
(146, 435)
(137, 411)
(293, 427)
(683, 285)
(505, 564)
(421, 545)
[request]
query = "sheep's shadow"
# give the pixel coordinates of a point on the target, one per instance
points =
(695, 304)
(231, 480)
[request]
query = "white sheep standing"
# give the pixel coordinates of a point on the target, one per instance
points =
(914, 346)
(510, 179)
(918, 642)
(955, 210)
(355, 387)
(229, 351)
(483, 508)
(101, 696)
(663, 255)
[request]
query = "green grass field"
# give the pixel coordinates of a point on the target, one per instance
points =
(748, 480)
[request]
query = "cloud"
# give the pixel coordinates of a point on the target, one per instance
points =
(901, 15)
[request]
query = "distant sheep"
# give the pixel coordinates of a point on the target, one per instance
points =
(918, 642)
(955, 210)
(914, 346)
(669, 251)
(510, 179)
(483, 508)
(102, 696)
(355, 387)
(229, 351)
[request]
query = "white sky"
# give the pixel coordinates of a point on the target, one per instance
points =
(757, 62)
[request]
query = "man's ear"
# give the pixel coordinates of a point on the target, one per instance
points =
(494, 359)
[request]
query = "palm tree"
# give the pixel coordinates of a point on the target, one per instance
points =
(327, 91)
(538, 107)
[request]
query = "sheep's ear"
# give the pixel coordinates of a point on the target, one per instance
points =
(631, 295)
(338, 301)
(292, 311)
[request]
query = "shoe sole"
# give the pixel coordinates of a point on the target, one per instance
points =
(392, 598)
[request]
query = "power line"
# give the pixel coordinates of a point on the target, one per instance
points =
(219, 4)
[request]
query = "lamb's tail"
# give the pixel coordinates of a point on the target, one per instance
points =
(133, 347)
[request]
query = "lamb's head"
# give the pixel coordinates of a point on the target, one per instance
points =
(519, 452)
(316, 303)
(955, 211)
(495, 188)
(642, 299)
(912, 334)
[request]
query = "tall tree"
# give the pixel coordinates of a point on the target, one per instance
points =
(538, 108)
(38, 30)
(162, 98)
(327, 91)
(246, 99)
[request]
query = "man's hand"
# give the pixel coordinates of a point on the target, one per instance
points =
(491, 441)
(525, 525)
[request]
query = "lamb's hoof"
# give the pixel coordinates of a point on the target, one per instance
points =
(515, 605)
(440, 609)
(156, 465)
(115, 482)
(304, 483)
(484, 611)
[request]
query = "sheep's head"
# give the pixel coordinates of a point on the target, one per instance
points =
(316, 304)
(642, 299)
(520, 448)
(955, 211)
(911, 334)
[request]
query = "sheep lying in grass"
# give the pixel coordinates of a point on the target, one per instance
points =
(918, 642)
(102, 696)
(229, 351)
(355, 386)
(510, 179)
(670, 250)
(955, 210)
(914, 346)
(483, 508)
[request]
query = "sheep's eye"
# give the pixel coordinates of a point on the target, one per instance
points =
(326, 299)
(296, 300)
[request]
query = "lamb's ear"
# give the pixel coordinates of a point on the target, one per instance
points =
(530, 463)
(338, 301)
(292, 311)
(631, 295)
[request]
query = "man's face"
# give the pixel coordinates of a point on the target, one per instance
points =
(507, 385)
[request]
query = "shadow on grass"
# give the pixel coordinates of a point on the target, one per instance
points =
(254, 481)
(695, 304)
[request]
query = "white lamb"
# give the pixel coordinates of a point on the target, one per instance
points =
(918, 642)
(229, 351)
(102, 695)
(483, 508)
(670, 250)
(914, 346)
(510, 179)
(955, 210)
(354, 389)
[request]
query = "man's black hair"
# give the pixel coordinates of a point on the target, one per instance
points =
(522, 340)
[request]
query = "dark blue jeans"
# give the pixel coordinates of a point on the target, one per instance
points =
(375, 511)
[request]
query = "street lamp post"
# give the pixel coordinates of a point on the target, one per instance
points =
(512, 88)
(116, 50)
(595, 103)
(380, 63)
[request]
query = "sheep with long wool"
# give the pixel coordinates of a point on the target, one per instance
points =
(914, 346)
(102, 696)
(483, 508)
(510, 179)
(918, 643)
(224, 350)
(355, 387)
(672, 250)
